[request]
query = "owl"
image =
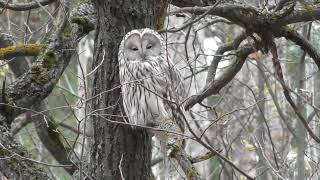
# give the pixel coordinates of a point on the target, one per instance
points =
(151, 86)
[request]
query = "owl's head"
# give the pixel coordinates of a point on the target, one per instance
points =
(141, 45)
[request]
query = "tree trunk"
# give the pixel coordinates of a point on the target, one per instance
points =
(316, 100)
(262, 169)
(301, 132)
(117, 150)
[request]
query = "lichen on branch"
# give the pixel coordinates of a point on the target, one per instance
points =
(20, 50)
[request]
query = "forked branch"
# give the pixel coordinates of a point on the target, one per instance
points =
(286, 92)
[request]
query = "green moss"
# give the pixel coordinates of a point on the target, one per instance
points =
(9, 100)
(38, 74)
(25, 49)
(39, 71)
(85, 23)
(67, 31)
(49, 59)
(3, 152)
(36, 69)
(54, 133)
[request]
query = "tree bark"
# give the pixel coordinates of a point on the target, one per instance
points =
(13, 164)
(118, 151)
(262, 168)
(301, 132)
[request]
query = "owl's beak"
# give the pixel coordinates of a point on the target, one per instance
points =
(143, 56)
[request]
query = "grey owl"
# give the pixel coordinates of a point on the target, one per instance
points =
(151, 85)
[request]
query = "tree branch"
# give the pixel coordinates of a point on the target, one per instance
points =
(185, 3)
(20, 50)
(309, 14)
(186, 164)
(220, 51)
(47, 130)
(286, 92)
(204, 157)
(216, 85)
(299, 40)
(36, 84)
(24, 6)
(17, 65)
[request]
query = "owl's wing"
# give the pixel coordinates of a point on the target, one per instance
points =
(177, 82)
(172, 90)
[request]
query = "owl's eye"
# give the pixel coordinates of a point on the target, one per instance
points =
(134, 49)
(149, 46)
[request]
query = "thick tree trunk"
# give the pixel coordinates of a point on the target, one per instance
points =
(118, 150)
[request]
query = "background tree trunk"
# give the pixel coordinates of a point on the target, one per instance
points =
(118, 150)
(301, 140)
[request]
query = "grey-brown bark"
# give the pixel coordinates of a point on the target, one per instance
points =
(13, 165)
(262, 168)
(118, 149)
(31, 88)
(301, 132)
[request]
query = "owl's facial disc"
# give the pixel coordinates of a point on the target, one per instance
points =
(150, 45)
(142, 48)
(132, 48)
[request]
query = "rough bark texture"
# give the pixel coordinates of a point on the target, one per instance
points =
(12, 166)
(29, 89)
(118, 149)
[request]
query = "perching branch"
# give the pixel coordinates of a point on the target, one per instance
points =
(186, 164)
(211, 149)
(201, 158)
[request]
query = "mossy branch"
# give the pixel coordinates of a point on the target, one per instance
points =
(20, 50)
(54, 133)
(83, 22)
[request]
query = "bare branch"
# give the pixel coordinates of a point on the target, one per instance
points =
(309, 14)
(24, 6)
(221, 50)
(286, 92)
(299, 40)
(204, 157)
(208, 147)
(216, 85)
(47, 130)
(185, 3)
(38, 82)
